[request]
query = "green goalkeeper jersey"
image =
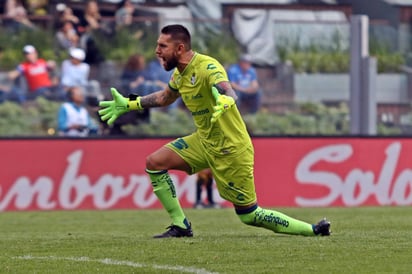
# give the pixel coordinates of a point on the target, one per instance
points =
(226, 136)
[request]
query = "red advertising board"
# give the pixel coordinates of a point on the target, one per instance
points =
(59, 174)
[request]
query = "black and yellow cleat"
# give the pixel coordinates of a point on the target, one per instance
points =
(322, 228)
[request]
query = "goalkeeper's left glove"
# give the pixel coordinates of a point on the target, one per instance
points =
(223, 104)
(119, 105)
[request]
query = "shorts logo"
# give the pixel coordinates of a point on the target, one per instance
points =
(180, 144)
(240, 196)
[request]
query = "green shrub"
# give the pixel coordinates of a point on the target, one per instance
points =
(35, 119)
(332, 57)
(39, 118)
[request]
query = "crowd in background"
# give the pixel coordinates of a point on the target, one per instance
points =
(63, 82)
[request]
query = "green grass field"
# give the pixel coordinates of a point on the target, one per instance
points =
(364, 240)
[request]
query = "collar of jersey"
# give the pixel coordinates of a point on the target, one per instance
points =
(191, 61)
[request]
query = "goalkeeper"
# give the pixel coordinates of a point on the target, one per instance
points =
(221, 141)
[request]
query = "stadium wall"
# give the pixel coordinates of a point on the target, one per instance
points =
(72, 174)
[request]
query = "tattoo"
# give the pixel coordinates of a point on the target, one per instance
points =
(226, 88)
(159, 99)
(149, 101)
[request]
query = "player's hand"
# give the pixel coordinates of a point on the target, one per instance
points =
(111, 110)
(223, 104)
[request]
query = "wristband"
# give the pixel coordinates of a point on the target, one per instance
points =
(134, 102)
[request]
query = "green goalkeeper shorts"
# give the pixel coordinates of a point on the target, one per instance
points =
(233, 173)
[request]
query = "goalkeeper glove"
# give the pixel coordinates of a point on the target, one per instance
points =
(111, 110)
(223, 104)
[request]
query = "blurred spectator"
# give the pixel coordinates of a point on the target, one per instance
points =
(37, 7)
(157, 73)
(36, 72)
(124, 14)
(16, 16)
(133, 81)
(64, 14)
(92, 20)
(90, 23)
(244, 81)
(137, 78)
(75, 72)
(67, 36)
(74, 119)
(134, 74)
(204, 180)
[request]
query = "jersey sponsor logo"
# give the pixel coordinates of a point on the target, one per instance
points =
(200, 112)
(211, 66)
(35, 70)
(180, 144)
(197, 96)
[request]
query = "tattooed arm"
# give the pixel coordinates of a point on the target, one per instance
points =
(226, 88)
(160, 98)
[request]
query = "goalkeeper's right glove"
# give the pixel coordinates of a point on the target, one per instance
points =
(111, 110)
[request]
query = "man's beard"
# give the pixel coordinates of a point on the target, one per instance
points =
(171, 64)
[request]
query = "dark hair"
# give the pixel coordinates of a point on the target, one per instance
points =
(178, 33)
(69, 93)
(134, 62)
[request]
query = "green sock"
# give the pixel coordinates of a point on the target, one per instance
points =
(275, 221)
(165, 191)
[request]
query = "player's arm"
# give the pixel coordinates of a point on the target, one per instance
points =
(111, 110)
(160, 98)
(226, 89)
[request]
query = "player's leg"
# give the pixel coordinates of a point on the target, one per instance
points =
(234, 180)
(175, 155)
(157, 167)
(279, 222)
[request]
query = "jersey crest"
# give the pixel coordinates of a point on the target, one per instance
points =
(193, 79)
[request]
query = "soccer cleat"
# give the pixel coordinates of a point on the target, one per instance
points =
(322, 228)
(175, 232)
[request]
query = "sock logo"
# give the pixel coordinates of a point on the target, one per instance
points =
(166, 178)
(261, 216)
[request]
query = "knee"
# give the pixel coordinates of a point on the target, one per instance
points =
(152, 163)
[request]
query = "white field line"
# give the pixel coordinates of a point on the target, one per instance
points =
(109, 261)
